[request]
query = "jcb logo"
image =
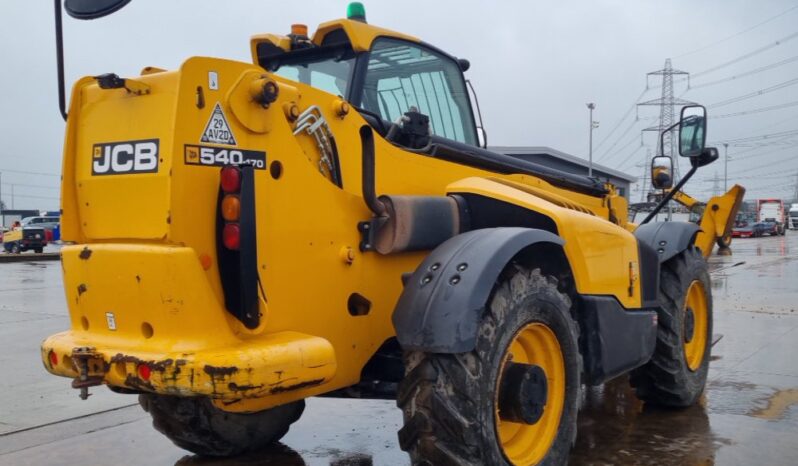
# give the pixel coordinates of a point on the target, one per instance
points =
(118, 158)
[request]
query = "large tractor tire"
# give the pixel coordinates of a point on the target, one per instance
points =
(677, 372)
(513, 400)
(196, 425)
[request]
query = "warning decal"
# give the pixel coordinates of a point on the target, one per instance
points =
(217, 131)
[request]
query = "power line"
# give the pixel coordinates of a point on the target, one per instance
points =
(755, 93)
(746, 154)
(3, 170)
(40, 186)
(761, 137)
(619, 139)
(747, 73)
(33, 197)
(700, 49)
(629, 157)
(767, 176)
(625, 115)
(757, 110)
(747, 55)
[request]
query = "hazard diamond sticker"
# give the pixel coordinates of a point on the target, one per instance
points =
(217, 131)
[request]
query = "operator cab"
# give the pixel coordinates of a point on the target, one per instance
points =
(393, 77)
(413, 94)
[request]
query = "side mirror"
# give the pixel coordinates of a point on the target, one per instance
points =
(707, 156)
(662, 172)
(92, 9)
(692, 130)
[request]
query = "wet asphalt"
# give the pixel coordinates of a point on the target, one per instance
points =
(748, 414)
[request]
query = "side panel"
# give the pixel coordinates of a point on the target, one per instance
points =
(667, 238)
(603, 256)
(440, 307)
(616, 340)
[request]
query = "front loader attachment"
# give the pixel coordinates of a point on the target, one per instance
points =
(718, 220)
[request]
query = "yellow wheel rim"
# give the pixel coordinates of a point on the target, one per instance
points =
(525, 444)
(695, 332)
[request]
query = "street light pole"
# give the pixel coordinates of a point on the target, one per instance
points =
(593, 125)
(726, 166)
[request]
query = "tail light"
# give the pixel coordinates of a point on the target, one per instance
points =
(231, 208)
(236, 243)
(230, 181)
(231, 236)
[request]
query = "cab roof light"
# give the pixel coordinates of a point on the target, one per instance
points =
(299, 30)
(356, 12)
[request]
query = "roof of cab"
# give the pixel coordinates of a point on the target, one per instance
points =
(361, 35)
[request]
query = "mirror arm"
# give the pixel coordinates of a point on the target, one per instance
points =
(479, 114)
(670, 195)
(59, 51)
(662, 137)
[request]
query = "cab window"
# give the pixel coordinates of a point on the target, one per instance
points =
(402, 76)
(330, 74)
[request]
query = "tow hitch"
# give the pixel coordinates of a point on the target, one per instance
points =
(91, 368)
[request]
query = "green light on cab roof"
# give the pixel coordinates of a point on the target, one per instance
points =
(356, 11)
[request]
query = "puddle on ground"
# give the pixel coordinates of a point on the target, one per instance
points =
(618, 429)
(777, 405)
(277, 455)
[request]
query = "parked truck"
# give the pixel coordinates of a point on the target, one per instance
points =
(793, 217)
(772, 210)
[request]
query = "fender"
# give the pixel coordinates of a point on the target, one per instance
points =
(667, 238)
(443, 300)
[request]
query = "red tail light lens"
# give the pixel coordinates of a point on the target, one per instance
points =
(231, 236)
(231, 179)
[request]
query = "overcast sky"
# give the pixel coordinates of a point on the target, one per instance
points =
(534, 64)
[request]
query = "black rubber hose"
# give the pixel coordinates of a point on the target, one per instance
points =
(369, 190)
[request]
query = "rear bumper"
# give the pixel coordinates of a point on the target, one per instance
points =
(271, 365)
(148, 318)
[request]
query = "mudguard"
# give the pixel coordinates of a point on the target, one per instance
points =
(667, 238)
(442, 302)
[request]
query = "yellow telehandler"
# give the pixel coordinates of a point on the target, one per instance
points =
(324, 220)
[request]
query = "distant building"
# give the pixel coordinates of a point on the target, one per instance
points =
(568, 163)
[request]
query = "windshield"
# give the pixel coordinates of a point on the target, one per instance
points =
(329, 74)
(404, 76)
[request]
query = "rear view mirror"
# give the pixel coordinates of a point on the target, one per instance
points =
(707, 156)
(92, 9)
(692, 131)
(662, 172)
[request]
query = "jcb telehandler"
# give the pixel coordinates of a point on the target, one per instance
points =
(324, 221)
